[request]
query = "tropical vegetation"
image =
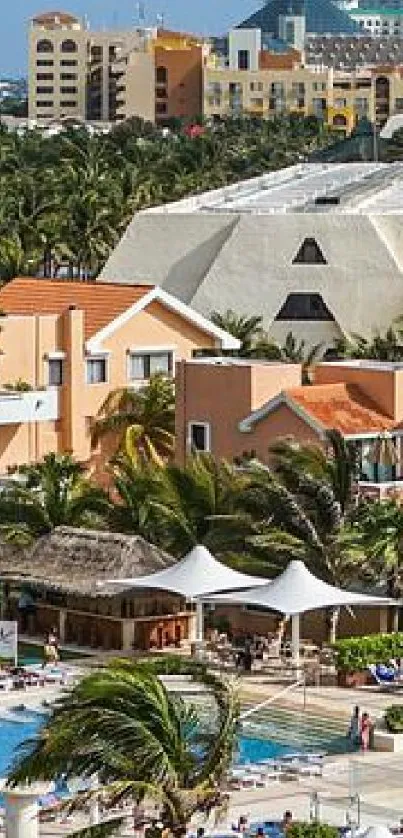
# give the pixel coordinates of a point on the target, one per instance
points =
(65, 199)
(122, 725)
(394, 718)
(355, 654)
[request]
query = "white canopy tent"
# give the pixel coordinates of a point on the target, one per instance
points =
(296, 591)
(197, 575)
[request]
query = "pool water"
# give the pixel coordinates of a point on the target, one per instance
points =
(273, 733)
(32, 653)
(15, 728)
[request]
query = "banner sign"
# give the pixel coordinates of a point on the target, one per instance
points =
(9, 640)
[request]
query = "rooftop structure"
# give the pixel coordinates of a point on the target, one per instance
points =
(322, 16)
(315, 248)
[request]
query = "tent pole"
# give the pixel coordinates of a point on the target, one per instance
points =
(295, 638)
(199, 620)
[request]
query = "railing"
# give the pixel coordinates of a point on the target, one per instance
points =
(250, 712)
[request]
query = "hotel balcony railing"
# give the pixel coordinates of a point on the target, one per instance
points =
(16, 407)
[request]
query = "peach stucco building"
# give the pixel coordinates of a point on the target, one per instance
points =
(231, 407)
(64, 346)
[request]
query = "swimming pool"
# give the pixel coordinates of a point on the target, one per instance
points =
(16, 726)
(272, 734)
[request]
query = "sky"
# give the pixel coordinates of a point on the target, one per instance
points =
(201, 16)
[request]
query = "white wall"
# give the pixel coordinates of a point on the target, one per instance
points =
(249, 39)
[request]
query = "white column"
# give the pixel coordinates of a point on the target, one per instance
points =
(199, 620)
(21, 812)
(94, 802)
(295, 637)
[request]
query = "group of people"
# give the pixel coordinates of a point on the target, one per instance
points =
(361, 728)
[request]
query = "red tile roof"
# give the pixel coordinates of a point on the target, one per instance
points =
(343, 407)
(100, 301)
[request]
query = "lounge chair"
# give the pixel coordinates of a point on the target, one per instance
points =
(389, 683)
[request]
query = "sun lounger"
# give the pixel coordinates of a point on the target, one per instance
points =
(389, 683)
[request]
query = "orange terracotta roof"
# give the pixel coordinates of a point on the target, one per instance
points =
(343, 407)
(50, 17)
(100, 301)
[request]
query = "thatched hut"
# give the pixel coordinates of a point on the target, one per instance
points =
(59, 583)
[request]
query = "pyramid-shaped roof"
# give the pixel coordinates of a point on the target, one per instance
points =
(197, 574)
(322, 18)
(297, 590)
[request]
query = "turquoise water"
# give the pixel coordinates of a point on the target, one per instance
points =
(15, 729)
(272, 734)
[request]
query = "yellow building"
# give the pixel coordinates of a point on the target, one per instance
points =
(257, 82)
(70, 70)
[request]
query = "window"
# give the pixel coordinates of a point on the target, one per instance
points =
(161, 92)
(144, 364)
(305, 306)
(68, 76)
(68, 90)
(96, 371)
(44, 103)
(44, 90)
(68, 62)
(161, 75)
(256, 86)
(399, 104)
(243, 59)
(44, 76)
(69, 103)
(55, 376)
(199, 436)
(309, 254)
(160, 107)
(45, 62)
(69, 46)
(44, 46)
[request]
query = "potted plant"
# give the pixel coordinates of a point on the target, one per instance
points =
(355, 654)
(394, 718)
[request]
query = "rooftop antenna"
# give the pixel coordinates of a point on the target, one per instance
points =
(160, 21)
(86, 23)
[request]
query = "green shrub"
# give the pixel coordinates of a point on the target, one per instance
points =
(312, 830)
(394, 718)
(356, 653)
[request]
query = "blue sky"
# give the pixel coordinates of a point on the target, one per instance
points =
(203, 16)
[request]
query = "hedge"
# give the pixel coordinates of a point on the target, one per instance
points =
(355, 654)
(312, 830)
(394, 718)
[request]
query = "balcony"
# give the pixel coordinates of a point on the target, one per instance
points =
(32, 406)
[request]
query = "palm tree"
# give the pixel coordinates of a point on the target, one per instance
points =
(122, 724)
(381, 347)
(303, 507)
(246, 329)
(52, 493)
(380, 534)
(143, 421)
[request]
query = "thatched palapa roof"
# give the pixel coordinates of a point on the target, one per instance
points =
(73, 560)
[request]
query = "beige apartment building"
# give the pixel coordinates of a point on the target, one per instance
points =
(70, 73)
(259, 83)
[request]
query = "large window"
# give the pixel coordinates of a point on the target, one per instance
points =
(243, 59)
(161, 75)
(44, 46)
(144, 364)
(199, 436)
(43, 89)
(309, 254)
(96, 370)
(304, 306)
(55, 376)
(69, 45)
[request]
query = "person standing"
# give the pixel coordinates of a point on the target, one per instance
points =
(365, 731)
(355, 727)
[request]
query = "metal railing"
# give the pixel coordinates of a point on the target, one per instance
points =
(301, 682)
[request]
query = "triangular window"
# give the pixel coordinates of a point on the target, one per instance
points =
(309, 254)
(303, 306)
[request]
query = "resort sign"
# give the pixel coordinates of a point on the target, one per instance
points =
(9, 640)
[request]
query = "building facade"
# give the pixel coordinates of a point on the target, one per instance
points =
(233, 408)
(257, 82)
(65, 346)
(78, 74)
